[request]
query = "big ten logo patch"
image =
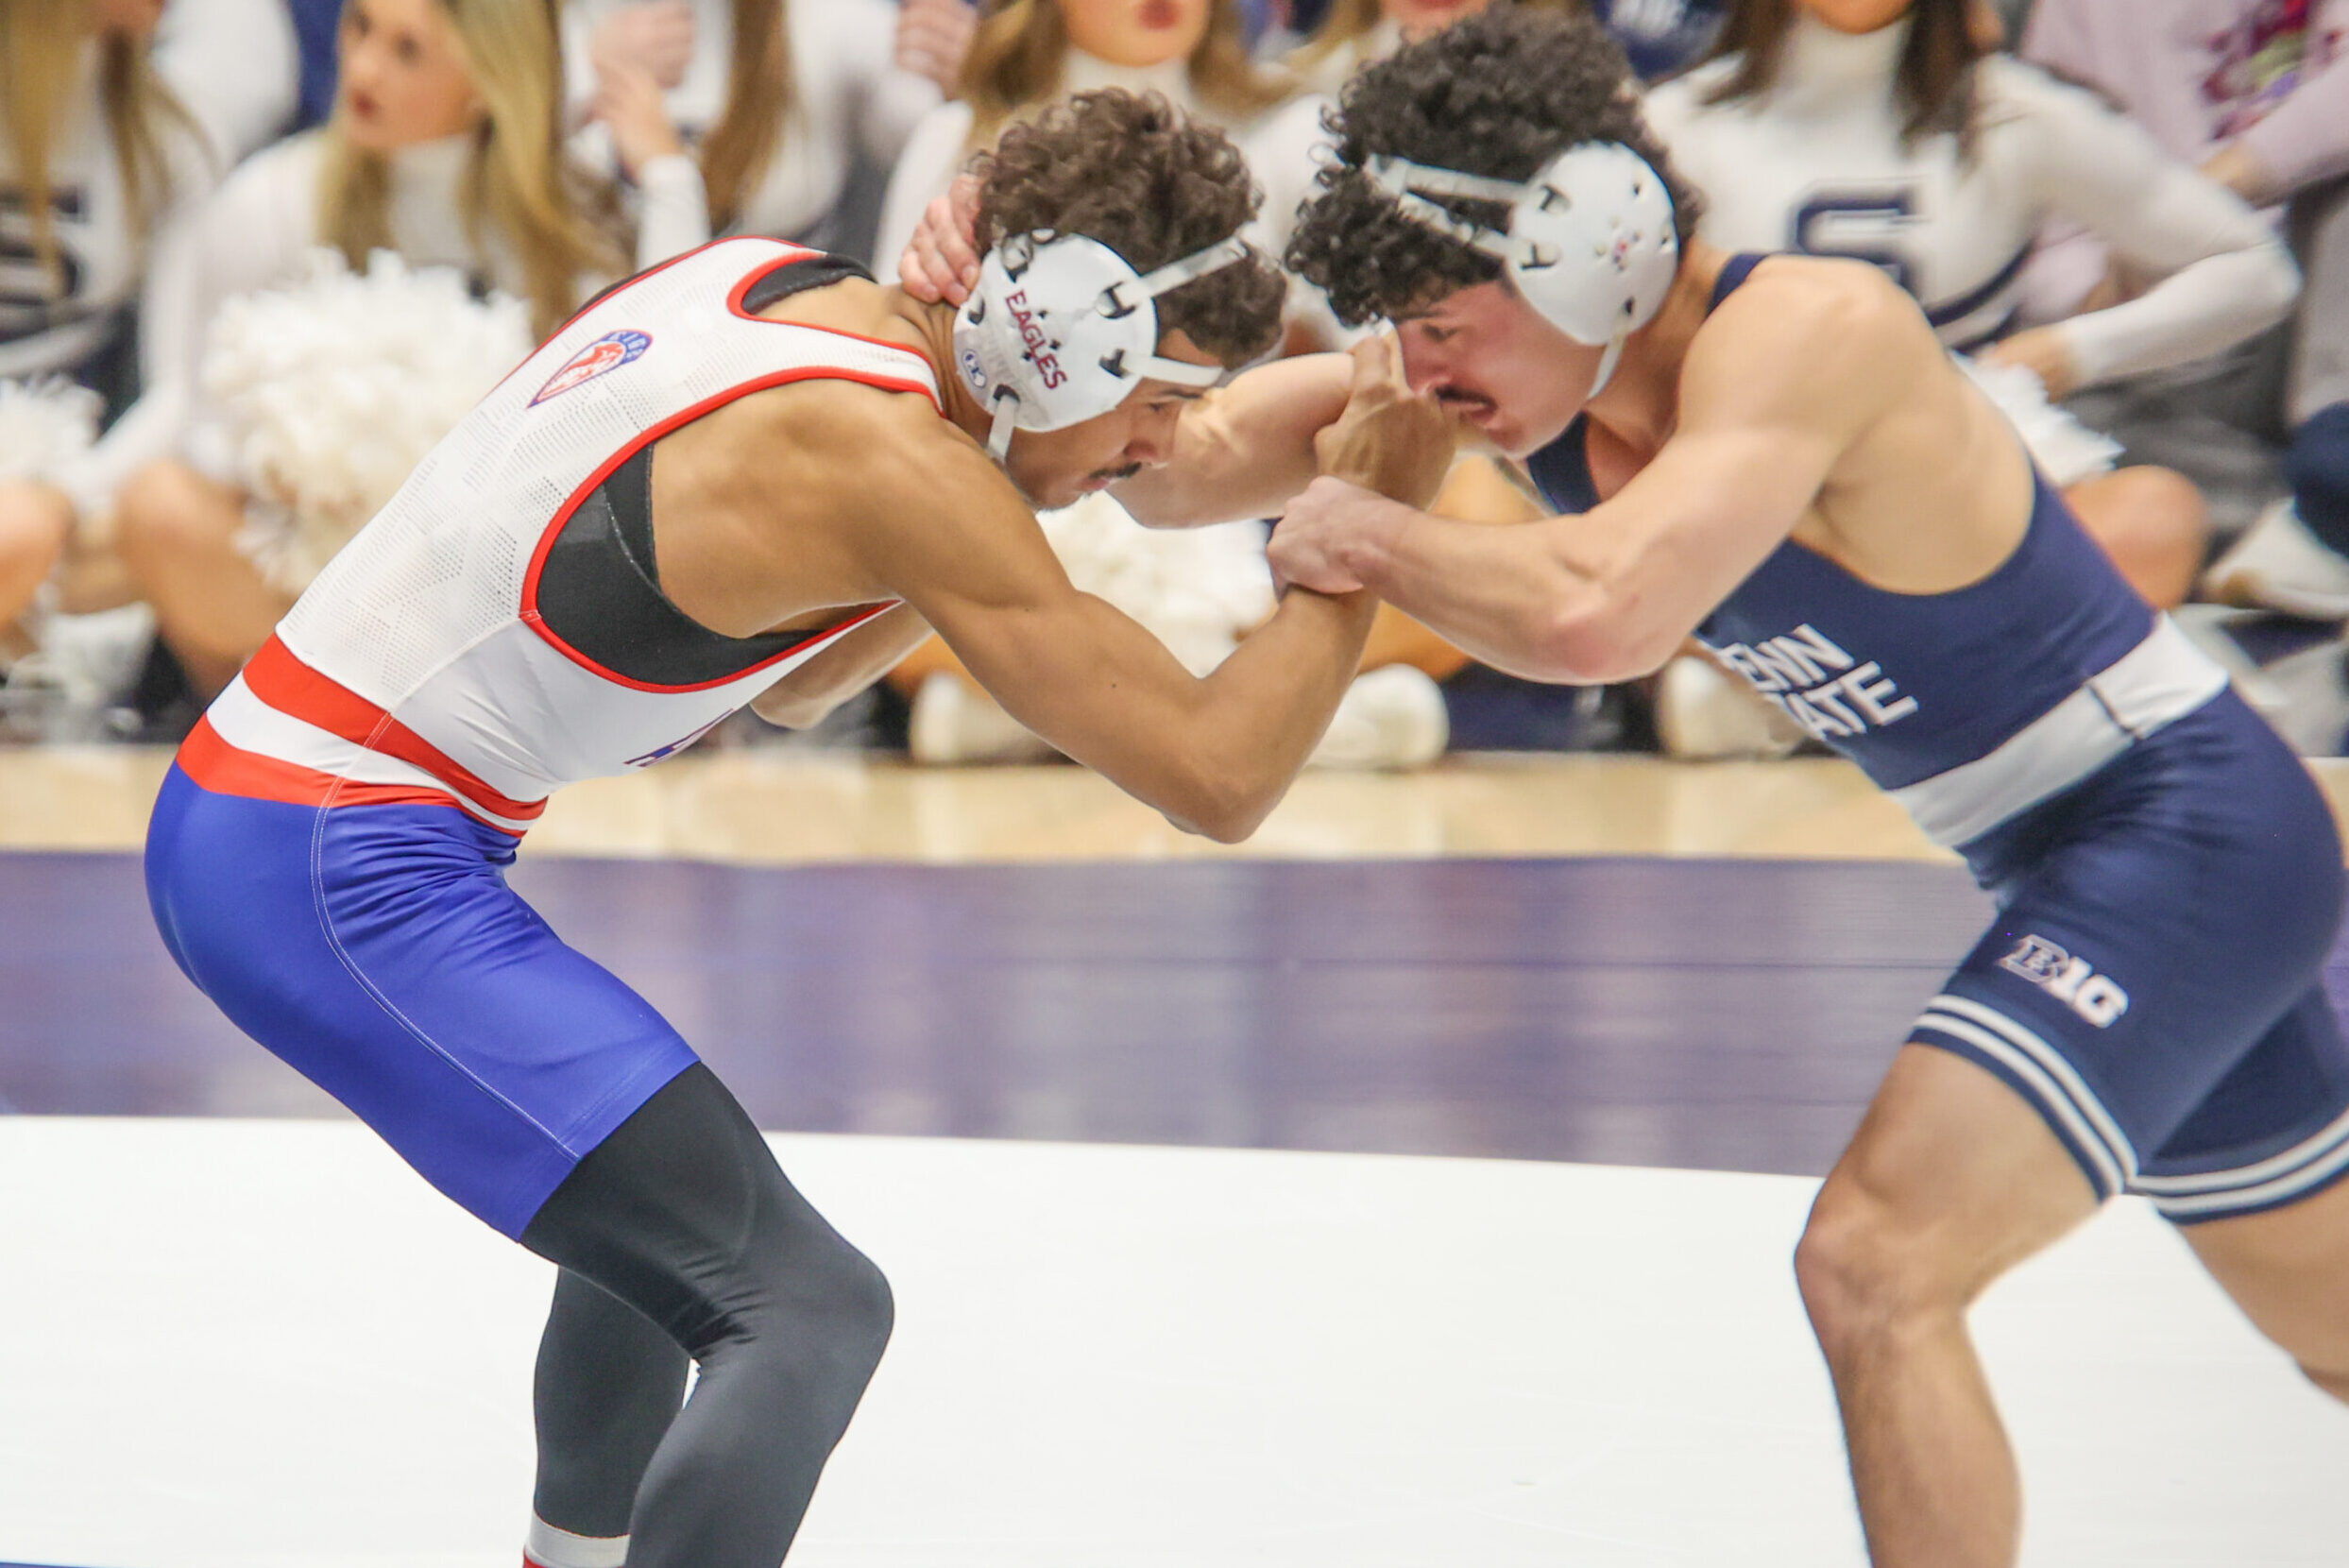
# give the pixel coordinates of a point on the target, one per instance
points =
(2073, 980)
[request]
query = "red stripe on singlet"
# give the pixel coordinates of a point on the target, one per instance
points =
(224, 770)
(294, 688)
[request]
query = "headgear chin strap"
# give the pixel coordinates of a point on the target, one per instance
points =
(1590, 243)
(1061, 329)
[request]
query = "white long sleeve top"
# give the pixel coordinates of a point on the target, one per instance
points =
(2198, 75)
(1815, 165)
(848, 98)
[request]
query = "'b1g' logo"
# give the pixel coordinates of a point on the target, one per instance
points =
(2074, 979)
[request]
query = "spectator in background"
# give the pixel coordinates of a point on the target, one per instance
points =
(772, 102)
(2258, 92)
(1029, 54)
(1357, 33)
(1892, 132)
(100, 168)
(444, 147)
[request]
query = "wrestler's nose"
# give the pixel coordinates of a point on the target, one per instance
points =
(1423, 369)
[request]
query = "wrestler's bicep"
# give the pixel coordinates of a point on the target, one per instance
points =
(1244, 449)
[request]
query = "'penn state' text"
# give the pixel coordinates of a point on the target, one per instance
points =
(1823, 689)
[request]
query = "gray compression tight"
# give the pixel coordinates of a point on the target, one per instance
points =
(678, 1236)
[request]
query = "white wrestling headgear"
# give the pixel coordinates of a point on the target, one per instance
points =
(1590, 242)
(1061, 329)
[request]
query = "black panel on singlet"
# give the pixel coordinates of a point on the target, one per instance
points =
(789, 278)
(600, 589)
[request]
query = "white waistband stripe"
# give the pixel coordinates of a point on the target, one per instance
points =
(2290, 1159)
(2056, 1063)
(2161, 680)
(2281, 1190)
(2111, 1164)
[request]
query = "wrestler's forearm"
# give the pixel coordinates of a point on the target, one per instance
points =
(802, 699)
(1260, 721)
(1507, 596)
(1215, 755)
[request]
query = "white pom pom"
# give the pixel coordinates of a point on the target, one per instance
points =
(1198, 590)
(44, 425)
(2066, 449)
(330, 391)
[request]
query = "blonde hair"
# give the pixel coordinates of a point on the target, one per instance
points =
(1349, 20)
(735, 152)
(1018, 57)
(517, 185)
(40, 44)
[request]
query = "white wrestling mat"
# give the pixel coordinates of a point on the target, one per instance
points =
(266, 1345)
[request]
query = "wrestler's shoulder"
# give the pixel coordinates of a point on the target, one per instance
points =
(846, 418)
(1816, 292)
(1807, 315)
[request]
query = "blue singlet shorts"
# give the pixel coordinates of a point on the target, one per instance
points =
(379, 951)
(2153, 985)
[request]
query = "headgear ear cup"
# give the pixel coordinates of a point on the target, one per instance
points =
(1590, 243)
(1060, 329)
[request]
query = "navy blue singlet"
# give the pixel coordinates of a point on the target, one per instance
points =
(1907, 686)
(2167, 878)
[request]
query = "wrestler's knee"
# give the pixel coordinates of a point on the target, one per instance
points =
(812, 1295)
(1863, 1276)
(851, 1297)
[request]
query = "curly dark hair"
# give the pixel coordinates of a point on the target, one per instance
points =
(1500, 95)
(1128, 170)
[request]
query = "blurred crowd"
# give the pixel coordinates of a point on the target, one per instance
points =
(256, 255)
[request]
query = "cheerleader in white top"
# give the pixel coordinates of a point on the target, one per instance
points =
(1890, 132)
(442, 148)
(758, 107)
(98, 167)
(1031, 53)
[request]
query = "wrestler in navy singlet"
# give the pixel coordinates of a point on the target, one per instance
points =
(2168, 877)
